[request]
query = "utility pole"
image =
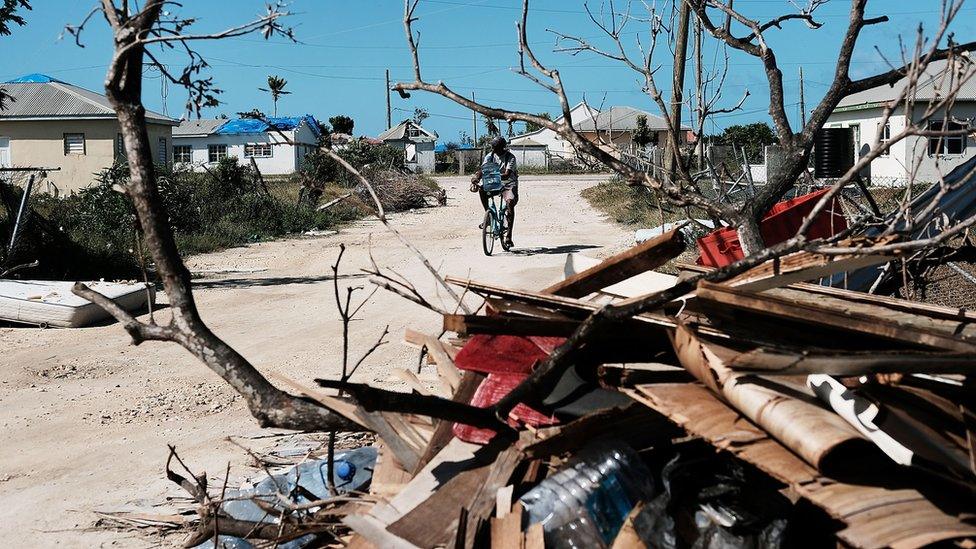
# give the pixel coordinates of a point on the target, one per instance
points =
(677, 98)
(699, 92)
(474, 123)
(389, 111)
(803, 105)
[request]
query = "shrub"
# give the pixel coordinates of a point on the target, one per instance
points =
(92, 233)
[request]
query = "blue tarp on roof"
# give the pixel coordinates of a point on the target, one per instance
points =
(35, 78)
(238, 126)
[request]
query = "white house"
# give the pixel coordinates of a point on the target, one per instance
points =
(529, 152)
(416, 142)
(930, 156)
(277, 149)
(555, 146)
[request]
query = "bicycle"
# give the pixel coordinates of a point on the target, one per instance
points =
(495, 224)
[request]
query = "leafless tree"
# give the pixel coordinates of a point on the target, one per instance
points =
(733, 29)
(136, 32)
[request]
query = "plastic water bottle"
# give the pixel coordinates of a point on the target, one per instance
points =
(586, 503)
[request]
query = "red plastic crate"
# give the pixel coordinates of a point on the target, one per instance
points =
(721, 247)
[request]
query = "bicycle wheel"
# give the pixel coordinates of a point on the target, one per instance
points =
(488, 234)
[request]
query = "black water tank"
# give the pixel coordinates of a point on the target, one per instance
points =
(833, 152)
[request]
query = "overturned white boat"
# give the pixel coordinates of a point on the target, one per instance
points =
(51, 303)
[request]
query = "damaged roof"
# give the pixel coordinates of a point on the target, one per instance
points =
(400, 133)
(40, 97)
(243, 126)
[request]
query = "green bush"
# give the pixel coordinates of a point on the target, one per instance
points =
(92, 233)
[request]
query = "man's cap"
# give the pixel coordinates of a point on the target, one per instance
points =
(498, 141)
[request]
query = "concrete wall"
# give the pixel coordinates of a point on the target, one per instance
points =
(285, 158)
(40, 143)
(912, 152)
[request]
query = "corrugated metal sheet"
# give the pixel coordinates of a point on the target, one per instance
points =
(35, 98)
(877, 514)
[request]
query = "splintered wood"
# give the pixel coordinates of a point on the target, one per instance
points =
(726, 364)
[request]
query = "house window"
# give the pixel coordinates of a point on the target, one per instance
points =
(162, 151)
(258, 150)
(413, 132)
(885, 137)
(119, 147)
(74, 143)
(946, 144)
(182, 154)
(216, 153)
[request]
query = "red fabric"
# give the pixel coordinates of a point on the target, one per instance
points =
(721, 247)
(504, 354)
(492, 389)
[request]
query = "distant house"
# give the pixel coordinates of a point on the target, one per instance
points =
(616, 126)
(530, 153)
(277, 146)
(416, 142)
(554, 144)
(52, 124)
(927, 157)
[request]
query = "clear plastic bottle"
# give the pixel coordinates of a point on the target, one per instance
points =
(585, 504)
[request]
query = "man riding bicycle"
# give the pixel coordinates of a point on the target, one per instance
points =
(504, 158)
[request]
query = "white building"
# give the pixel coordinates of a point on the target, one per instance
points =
(931, 156)
(278, 149)
(555, 145)
(416, 142)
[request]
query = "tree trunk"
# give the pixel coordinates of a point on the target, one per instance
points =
(270, 406)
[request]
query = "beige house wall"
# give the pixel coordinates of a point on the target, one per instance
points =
(40, 143)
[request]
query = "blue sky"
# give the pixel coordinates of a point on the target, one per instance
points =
(338, 66)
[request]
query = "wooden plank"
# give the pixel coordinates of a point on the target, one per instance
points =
(643, 257)
(839, 314)
(535, 537)
(443, 430)
(557, 303)
(644, 283)
(915, 307)
(434, 521)
(455, 458)
(373, 531)
(411, 380)
(506, 532)
(804, 266)
(508, 325)
(445, 364)
(503, 501)
(389, 477)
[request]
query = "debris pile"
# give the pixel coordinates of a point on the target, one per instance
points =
(762, 411)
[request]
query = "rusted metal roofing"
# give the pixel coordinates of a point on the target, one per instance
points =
(876, 514)
(34, 98)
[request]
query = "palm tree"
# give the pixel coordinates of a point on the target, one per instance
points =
(276, 87)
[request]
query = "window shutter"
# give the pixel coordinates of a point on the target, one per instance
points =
(74, 143)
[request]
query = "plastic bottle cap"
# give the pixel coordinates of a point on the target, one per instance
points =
(345, 470)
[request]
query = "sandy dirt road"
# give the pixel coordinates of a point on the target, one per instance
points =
(85, 417)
